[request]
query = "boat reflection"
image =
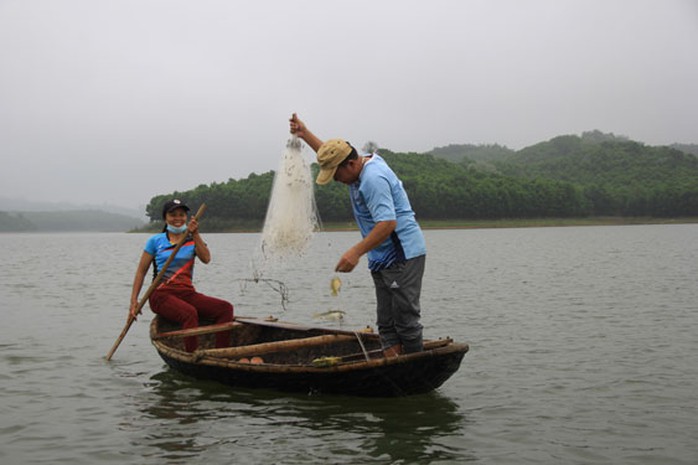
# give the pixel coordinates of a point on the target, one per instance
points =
(196, 417)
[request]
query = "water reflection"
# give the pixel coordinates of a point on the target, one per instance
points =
(189, 418)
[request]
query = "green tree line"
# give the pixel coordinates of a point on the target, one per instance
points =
(568, 176)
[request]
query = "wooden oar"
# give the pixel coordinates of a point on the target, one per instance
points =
(153, 286)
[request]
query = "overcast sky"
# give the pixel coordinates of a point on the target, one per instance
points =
(117, 101)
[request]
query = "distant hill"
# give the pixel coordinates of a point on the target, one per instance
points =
(617, 176)
(592, 159)
(615, 162)
(67, 221)
(481, 153)
(8, 204)
(686, 148)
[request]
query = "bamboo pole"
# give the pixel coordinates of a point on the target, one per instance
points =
(153, 286)
(428, 345)
(436, 343)
(277, 346)
(209, 329)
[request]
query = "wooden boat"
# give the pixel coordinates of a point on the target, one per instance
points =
(297, 358)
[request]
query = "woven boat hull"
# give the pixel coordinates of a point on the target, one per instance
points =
(291, 354)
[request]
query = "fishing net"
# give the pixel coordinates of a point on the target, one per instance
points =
(291, 215)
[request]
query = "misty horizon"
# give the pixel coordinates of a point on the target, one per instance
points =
(107, 103)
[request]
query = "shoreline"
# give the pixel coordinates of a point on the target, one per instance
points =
(473, 224)
(510, 223)
(555, 222)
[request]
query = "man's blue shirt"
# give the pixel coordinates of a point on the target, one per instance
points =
(377, 196)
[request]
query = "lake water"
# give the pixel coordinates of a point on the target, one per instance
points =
(584, 350)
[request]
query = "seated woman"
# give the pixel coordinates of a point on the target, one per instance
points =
(175, 298)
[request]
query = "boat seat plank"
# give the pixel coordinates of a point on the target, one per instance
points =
(366, 333)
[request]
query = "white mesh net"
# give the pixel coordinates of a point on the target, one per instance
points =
(291, 215)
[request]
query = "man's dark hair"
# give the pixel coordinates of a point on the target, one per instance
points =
(353, 155)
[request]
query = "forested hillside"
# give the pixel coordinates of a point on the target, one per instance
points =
(568, 176)
(617, 177)
(15, 223)
(686, 148)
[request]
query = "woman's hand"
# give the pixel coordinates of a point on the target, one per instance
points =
(133, 310)
(200, 247)
(193, 226)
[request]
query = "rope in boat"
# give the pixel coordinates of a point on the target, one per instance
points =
(281, 287)
(361, 343)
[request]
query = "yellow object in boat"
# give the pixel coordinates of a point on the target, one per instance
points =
(326, 361)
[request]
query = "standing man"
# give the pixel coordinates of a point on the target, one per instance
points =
(391, 235)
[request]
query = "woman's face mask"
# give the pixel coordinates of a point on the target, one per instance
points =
(176, 230)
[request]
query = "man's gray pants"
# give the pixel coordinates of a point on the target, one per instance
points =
(398, 289)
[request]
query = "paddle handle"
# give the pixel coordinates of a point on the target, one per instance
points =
(153, 286)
